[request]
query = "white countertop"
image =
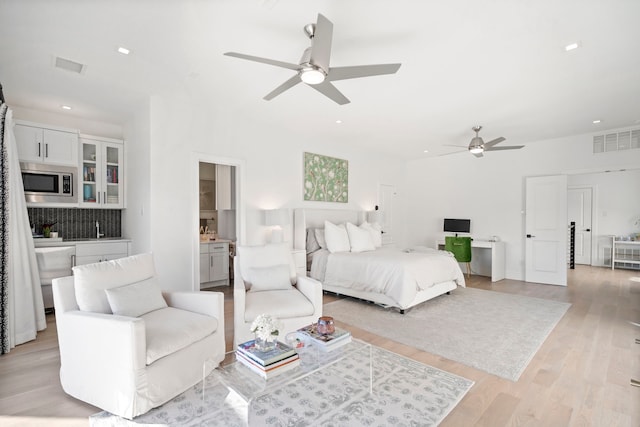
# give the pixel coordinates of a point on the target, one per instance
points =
(41, 242)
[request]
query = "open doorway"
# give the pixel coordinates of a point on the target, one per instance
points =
(218, 214)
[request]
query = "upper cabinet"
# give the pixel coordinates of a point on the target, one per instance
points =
(102, 178)
(37, 144)
(224, 193)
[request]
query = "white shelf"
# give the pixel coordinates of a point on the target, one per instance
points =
(626, 253)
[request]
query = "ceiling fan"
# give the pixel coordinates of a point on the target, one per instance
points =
(314, 69)
(477, 146)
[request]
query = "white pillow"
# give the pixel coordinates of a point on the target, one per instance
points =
(336, 237)
(91, 280)
(265, 256)
(359, 238)
(275, 277)
(319, 232)
(312, 242)
(375, 231)
(136, 299)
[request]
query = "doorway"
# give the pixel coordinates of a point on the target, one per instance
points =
(580, 211)
(218, 219)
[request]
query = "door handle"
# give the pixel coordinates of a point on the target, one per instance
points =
(530, 236)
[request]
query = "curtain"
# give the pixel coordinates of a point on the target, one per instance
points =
(21, 305)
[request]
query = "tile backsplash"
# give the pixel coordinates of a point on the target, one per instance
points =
(74, 223)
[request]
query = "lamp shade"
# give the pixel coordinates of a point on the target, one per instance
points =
(274, 217)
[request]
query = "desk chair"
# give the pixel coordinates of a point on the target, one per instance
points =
(460, 247)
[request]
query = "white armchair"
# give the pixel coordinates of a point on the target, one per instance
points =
(264, 282)
(153, 348)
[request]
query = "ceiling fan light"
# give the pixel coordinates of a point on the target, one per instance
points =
(312, 76)
(476, 150)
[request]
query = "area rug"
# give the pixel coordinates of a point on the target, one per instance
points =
(492, 331)
(405, 392)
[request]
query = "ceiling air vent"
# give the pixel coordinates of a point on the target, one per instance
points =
(69, 65)
(620, 141)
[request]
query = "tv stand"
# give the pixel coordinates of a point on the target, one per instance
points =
(487, 258)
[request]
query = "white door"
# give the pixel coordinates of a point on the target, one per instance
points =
(579, 204)
(546, 230)
(387, 194)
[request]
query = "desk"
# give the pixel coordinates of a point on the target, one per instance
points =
(487, 258)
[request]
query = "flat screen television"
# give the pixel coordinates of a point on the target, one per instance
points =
(457, 225)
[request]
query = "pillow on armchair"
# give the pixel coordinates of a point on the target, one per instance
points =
(136, 299)
(275, 277)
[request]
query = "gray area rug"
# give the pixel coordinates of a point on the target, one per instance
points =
(405, 393)
(496, 332)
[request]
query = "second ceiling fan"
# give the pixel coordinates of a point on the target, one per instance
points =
(477, 146)
(314, 69)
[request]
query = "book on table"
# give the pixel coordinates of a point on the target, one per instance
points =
(280, 352)
(327, 342)
(272, 370)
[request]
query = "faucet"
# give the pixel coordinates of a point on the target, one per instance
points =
(98, 234)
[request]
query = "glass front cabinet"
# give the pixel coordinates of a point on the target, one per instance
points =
(102, 173)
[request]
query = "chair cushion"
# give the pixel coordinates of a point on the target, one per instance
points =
(136, 299)
(91, 280)
(171, 329)
(280, 304)
(270, 278)
(264, 256)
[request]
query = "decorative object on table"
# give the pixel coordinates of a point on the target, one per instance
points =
(266, 329)
(398, 384)
(325, 325)
(268, 363)
(46, 228)
(326, 179)
(326, 342)
(496, 332)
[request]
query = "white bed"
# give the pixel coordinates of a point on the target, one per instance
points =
(387, 276)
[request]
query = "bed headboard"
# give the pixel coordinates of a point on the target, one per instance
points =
(314, 218)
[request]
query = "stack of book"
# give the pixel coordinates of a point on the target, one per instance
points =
(327, 342)
(267, 363)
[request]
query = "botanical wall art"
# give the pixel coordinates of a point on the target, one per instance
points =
(326, 179)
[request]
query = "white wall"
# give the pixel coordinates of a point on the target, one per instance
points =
(273, 163)
(490, 190)
(89, 127)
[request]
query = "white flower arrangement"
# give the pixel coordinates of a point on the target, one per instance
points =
(265, 327)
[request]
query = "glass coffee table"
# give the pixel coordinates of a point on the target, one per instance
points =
(306, 389)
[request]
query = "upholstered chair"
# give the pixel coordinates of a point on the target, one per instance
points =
(265, 282)
(125, 346)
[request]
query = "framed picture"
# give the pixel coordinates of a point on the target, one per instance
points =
(326, 179)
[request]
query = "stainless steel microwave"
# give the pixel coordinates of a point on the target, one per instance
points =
(45, 183)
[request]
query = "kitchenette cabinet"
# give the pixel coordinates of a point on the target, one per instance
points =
(214, 263)
(95, 251)
(102, 180)
(41, 144)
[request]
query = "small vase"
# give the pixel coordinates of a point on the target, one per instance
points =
(266, 345)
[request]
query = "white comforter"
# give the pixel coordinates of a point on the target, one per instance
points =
(396, 273)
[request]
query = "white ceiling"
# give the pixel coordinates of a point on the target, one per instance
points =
(498, 63)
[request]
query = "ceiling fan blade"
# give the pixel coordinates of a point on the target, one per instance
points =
(330, 91)
(511, 147)
(459, 146)
(453, 152)
(493, 142)
(321, 43)
(284, 86)
(288, 65)
(343, 73)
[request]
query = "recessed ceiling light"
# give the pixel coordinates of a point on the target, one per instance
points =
(124, 50)
(425, 151)
(66, 107)
(572, 46)
(595, 122)
(338, 121)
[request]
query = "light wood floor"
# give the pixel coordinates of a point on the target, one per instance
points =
(579, 377)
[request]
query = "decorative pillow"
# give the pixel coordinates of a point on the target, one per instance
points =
(91, 280)
(265, 256)
(359, 238)
(275, 277)
(319, 233)
(312, 242)
(336, 237)
(375, 231)
(136, 299)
